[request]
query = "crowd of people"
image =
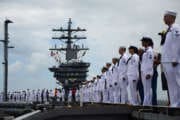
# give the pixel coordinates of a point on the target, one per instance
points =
(42, 96)
(32, 96)
(132, 78)
(123, 75)
(129, 79)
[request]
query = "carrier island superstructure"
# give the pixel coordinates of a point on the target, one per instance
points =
(72, 71)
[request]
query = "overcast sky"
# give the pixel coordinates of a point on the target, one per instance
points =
(109, 24)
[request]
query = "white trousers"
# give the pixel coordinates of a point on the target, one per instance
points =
(28, 98)
(105, 96)
(133, 90)
(147, 89)
(124, 93)
(98, 96)
(117, 93)
(172, 77)
(111, 96)
(178, 74)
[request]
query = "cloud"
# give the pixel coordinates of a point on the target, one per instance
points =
(16, 67)
(37, 62)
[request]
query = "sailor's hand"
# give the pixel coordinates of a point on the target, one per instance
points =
(148, 77)
(174, 64)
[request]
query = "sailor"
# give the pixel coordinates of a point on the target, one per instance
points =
(106, 78)
(28, 95)
(140, 84)
(70, 96)
(94, 89)
(44, 95)
(58, 95)
(122, 69)
(73, 94)
(91, 91)
(171, 57)
(33, 96)
(103, 85)
(77, 95)
(147, 70)
(115, 82)
(98, 89)
(86, 93)
(157, 58)
(63, 94)
(98, 95)
(51, 95)
(10, 97)
(13, 96)
(38, 96)
(23, 96)
(133, 74)
(86, 96)
(109, 83)
(83, 92)
(55, 94)
(18, 96)
(47, 95)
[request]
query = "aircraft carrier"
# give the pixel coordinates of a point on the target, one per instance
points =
(70, 74)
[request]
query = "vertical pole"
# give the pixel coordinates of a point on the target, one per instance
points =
(68, 52)
(6, 59)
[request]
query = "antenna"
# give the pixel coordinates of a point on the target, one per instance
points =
(69, 39)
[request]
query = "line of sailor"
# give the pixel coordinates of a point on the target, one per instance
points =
(133, 79)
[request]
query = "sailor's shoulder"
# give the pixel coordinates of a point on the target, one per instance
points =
(135, 56)
(125, 57)
(176, 31)
(175, 27)
(150, 50)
